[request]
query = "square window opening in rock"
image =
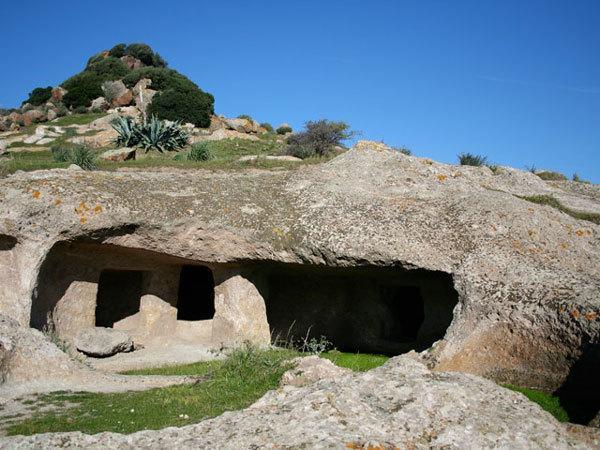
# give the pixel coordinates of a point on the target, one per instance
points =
(119, 294)
(196, 299)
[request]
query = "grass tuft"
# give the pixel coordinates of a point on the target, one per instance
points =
(551, 201)
(547, 401)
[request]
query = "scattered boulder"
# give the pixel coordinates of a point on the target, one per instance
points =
(100, 342)
(132, 62)
(45, 141)
(225, 134)
(270, 157)
(119, 154)
(32, 116)
(32, 139)
(74, 168)
(310, 369)
(116, 93)
(58, 93)
(2, 147)
(51, 114)
(99, 103)
(242, 125)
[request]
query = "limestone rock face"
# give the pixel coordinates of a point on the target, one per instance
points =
(101, 342)
(142, 95)
(241, 314)
(399, 405)
(526, 276)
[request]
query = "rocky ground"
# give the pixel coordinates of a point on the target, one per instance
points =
(399, 405)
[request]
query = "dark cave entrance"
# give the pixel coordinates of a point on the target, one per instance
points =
(407, 309)
(196, 298)
(119, 294)
(359, 309)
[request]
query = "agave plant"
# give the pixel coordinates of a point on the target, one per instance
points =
(161, 135)
(127, 129)
(154, 133)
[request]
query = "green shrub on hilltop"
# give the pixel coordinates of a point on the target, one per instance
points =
(283, 130)
(82, 89)
(318, 139)
(118, 50)
(109, 68)
(145, 54)
(267, 126)
(39, 96)
(188, 106)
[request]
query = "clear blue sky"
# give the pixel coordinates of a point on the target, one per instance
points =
(518, 81)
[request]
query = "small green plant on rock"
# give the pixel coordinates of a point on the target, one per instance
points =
(469, 159)
(200, 152)
(80, 155)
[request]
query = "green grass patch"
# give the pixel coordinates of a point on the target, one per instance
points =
(551, 201)
(76, 119)
(548, 402)
(358, 362)
(231, 384)
(226, 385)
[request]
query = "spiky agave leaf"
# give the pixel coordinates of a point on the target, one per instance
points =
(127, 132)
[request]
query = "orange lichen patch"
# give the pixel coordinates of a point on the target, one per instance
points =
(58, 202)
(82, 208)
(36, 194)
(442, 177)
(564, 246)
(591, 315)
(83, 220)
(357, 446)
(580, 233)
(97, 209)
(562, 309)
(531, 233)
(530, 209)
(575, 314)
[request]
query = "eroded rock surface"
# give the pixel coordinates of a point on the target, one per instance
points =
(101, 342)
(399, 405)
(527, 276)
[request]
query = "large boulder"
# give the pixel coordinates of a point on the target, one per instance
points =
(58, 93)
(33, 116)
(142, 95)
(131, 62)
(101, 342)
(242, 125)
(99, 103)
(399, 405)
(116, 93)
(118, 154)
